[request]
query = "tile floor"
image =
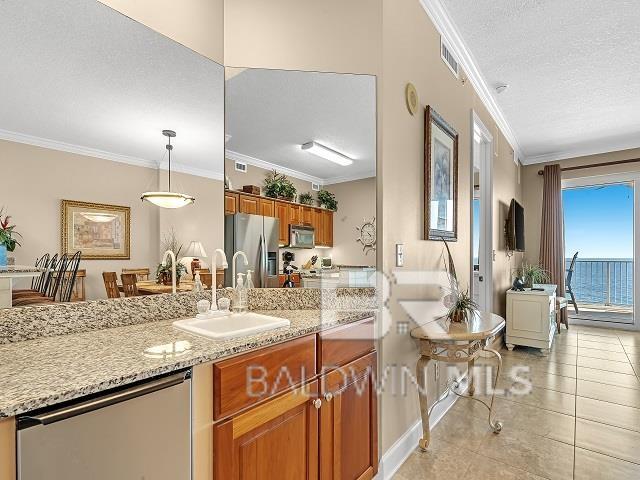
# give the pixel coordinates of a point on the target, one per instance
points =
(580, 421)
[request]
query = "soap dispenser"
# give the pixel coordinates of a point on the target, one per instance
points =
(250, 284)
(240, 294)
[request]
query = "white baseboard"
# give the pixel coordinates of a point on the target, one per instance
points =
(393, 458)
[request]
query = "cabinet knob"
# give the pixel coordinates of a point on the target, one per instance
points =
(328, 396)
(317, 403)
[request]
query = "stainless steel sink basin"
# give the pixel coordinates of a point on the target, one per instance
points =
(234, 325)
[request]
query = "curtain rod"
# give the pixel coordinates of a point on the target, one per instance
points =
(594, 165)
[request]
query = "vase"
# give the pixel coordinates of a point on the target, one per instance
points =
(3, 255)
(457, 316)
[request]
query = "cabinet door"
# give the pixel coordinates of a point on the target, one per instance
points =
(325, 237)
(282, 213)
(278, 439)
(349, 422)
(230, 203)
(267, 208)
(249, 204)
(307, 215)
(295, 214)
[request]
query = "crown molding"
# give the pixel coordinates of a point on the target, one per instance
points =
(598, 149)
(349, 178)
(257, 162)
(104, 155)
(443, 23)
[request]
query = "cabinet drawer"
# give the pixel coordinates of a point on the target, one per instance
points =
(343, 344)
(248, 379)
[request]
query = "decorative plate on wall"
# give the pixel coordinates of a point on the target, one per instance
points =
(411, 96)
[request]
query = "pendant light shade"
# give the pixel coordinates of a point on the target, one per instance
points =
(168, 199)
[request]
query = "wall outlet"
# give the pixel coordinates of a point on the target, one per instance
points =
(399, 255)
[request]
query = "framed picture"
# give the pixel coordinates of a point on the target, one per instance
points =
(99, 231)
(440, 178)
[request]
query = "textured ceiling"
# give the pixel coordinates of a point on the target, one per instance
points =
(270, 113)
(573, 69)
(80, 73)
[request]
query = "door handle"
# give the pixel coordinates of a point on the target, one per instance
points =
(481, 278)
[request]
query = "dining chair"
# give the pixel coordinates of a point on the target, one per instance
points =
(141, 273)
(68, 278)
(206, 279)
(129, 284)
(572, 268)
(57, 271)
(37, 282)
(111, 284)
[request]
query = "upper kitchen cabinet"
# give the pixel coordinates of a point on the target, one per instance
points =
(120, 131)
(305, 142)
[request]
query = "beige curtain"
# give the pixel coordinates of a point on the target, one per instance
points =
(552, 230)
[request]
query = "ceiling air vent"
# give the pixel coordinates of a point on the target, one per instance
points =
(241, 167)
(448, 58)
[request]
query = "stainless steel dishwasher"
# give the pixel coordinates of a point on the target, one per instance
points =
(141, 432)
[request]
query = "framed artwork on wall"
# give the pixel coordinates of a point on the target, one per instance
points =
(440, 178)
(99, 231)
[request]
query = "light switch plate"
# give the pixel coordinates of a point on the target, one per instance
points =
(399, 255)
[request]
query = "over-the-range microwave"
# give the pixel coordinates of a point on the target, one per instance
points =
(302, 236)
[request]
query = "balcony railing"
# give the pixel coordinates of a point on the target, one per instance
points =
(603, 281)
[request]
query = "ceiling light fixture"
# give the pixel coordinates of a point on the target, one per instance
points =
(168, 199)
(327, 153)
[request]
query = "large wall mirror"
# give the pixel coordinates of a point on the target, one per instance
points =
(86, 95)
(300, 177)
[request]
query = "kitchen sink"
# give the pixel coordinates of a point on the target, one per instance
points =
(231, 326)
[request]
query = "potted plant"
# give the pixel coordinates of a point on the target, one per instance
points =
(532, 273)
(306, 198)
(327, 200)
(8, 243)
(163, 272)
(461, 306)
(277, 185)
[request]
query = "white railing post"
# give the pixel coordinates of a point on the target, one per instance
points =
(608, 296)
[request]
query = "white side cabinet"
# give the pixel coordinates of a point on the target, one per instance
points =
(531, 318)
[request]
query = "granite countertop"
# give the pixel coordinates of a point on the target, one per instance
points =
(45, 371)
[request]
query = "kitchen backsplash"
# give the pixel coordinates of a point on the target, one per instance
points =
(19, 324)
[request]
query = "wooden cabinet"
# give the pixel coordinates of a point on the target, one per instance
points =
(295, 214)
(531, 318)
(295, 278)
(267, 208)
(282, 213)
(231, 203)
(249, 204)
(308, 214)
(278, 439)
(299, 423)
(324, 232)
(348, 422)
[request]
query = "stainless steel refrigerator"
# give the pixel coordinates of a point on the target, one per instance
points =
(257, 237)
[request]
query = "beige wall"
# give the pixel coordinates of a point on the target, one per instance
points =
(356, 202)
(197, 24)
(256, 175)
(411, 53)
(327, 36)
(532, 188)
(41, 178)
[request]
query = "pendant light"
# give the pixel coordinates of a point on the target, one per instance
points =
(168, 199)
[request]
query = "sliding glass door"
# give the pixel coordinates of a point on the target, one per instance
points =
(599, 233)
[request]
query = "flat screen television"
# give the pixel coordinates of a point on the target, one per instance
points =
(515, 227)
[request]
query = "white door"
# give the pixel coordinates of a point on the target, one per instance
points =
(481, 214)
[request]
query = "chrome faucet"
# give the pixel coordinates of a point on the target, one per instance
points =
(233, 265)
(173, 267)
(225, 265)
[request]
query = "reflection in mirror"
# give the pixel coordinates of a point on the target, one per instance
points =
(86, 108)
(300, 173)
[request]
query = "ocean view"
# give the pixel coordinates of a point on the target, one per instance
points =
(603, 280)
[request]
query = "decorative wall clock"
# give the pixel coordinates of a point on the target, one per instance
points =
(367, 235)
